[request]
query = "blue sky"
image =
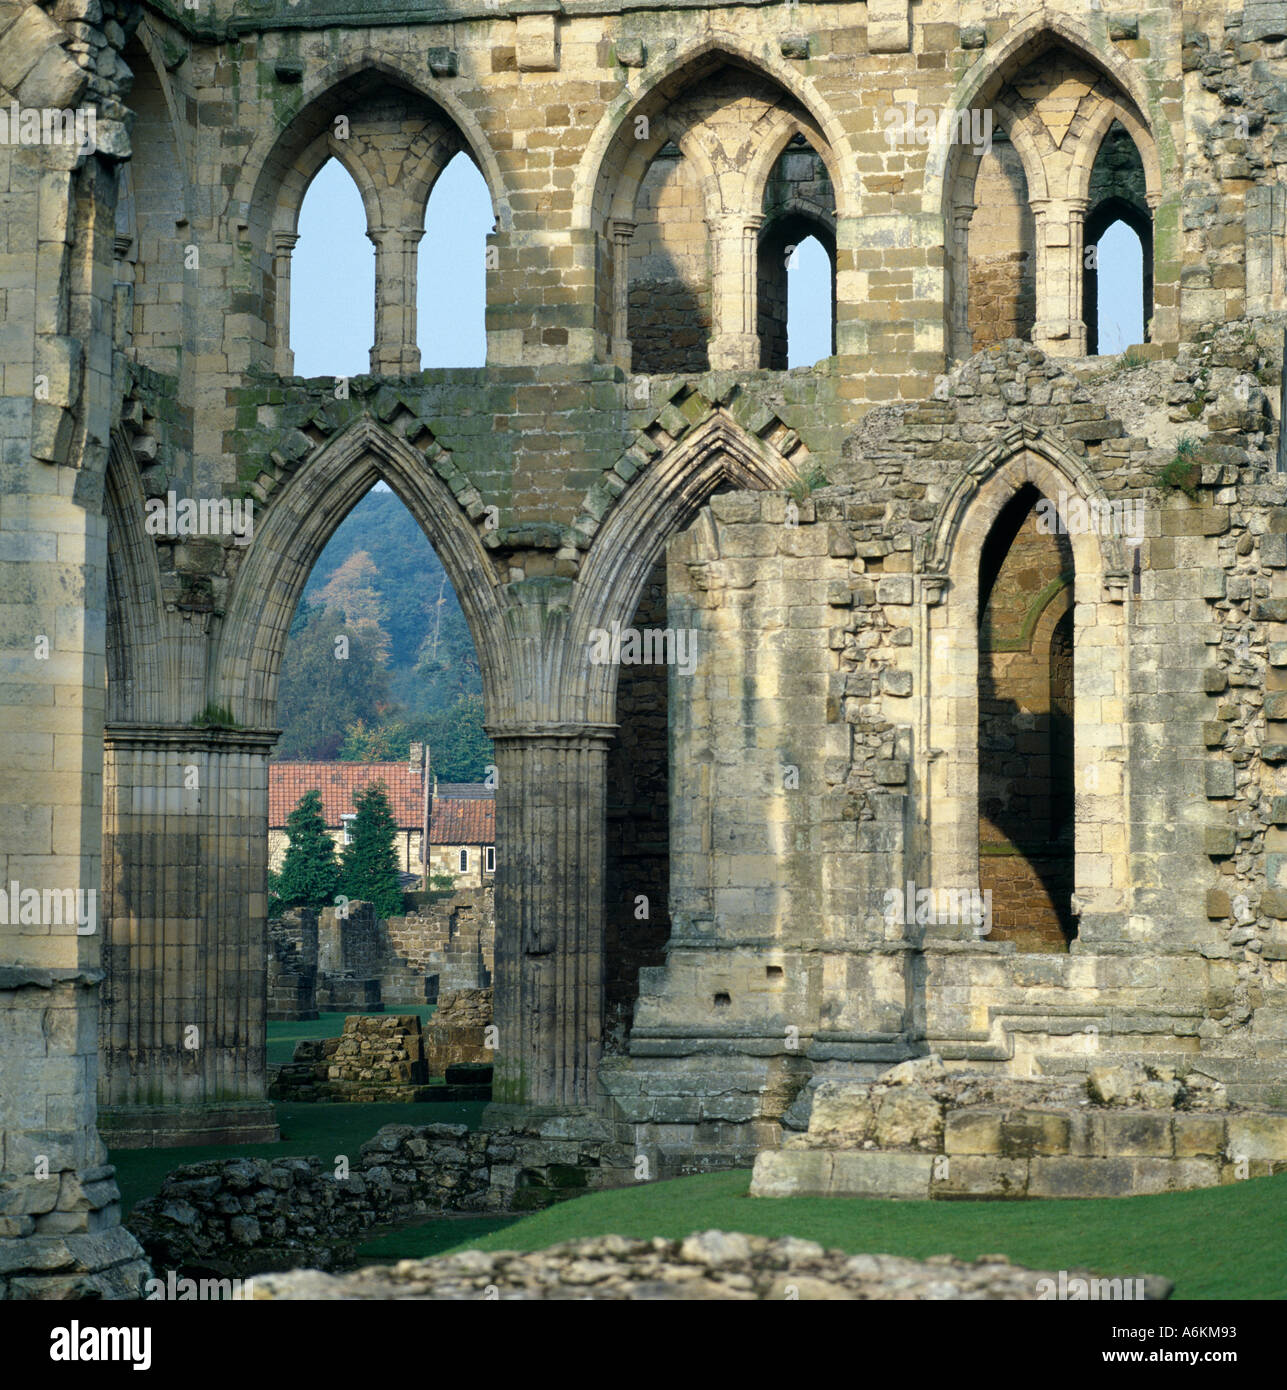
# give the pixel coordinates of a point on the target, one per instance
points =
(333, 281)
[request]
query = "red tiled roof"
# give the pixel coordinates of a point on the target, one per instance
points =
(463, 821)
(466, 817)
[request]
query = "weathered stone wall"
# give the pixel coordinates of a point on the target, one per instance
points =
(237, 1217)
(920, 1131)
(803, 746)
(358, 960)
(150, 353)
(450, 942)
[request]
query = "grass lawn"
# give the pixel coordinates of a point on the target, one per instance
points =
(282, 1037)
(1224, 1242)
(433, 1237)
(322, 1129)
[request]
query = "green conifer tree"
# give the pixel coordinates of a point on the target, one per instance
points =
(369, 862)
(310, 874)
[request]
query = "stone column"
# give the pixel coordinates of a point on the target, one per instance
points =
(1076, 269)
(735, 341)
(550, 826)
(183, 1028)
(622, 234)
(1059, 329)
(60, 1232)
(395, 352)
(962, 215)
(283, 246)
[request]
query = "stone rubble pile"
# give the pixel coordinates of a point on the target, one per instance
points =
(713, 1265)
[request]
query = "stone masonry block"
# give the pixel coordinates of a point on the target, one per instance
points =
(888, 26)
(1257, 1136)
(894, 588)
(1220, 780)
(536, 43)
(1132, 1135)
(1218, 841)
(875, 1174)
(791, 1173)
(1080, 1177)
(1198, 1136)
(1028, 1132)
(972, 1132)
(974, 1176)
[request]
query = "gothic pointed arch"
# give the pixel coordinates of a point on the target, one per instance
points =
(717, 452)
(661, 82)
(950, 560)
(303, 515)
(658, 268)
(985, 80)
(1027, 454)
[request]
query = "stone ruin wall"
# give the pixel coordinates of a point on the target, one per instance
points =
(1177, 845)
(326, 961)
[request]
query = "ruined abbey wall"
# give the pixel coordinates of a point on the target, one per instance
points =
(648, 170)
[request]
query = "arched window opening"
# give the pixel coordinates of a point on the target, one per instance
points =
(811, 299)
(406, 668)
(1115, 292)
(669, 296)
(451, 296)
(379, 686)
(1025, 736)
(1002, 275)
(332, 279)
(1117, 284)
(796, 298)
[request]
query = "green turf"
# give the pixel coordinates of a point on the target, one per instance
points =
(282, 1037)
(1224, 1242)
(325, 1130)
(431, 1238)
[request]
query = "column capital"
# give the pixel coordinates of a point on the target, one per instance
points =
(284, 242)
(187, 737)
(568, 731)
(622, 228)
